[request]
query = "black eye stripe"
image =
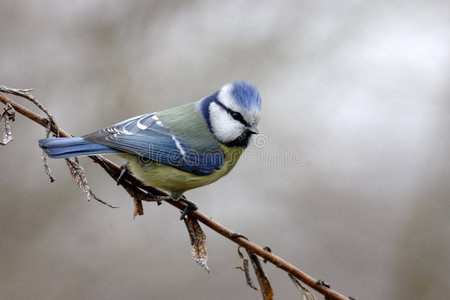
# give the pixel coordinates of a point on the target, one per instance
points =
(234, 114)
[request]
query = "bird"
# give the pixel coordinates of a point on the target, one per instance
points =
(180, 148)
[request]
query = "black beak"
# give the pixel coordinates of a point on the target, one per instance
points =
(253, 129)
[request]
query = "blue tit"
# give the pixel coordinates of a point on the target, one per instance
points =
(178, 149)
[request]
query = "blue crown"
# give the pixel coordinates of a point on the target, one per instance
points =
(246, 95)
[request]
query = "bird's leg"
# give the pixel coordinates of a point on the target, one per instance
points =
(190, 206)
(123, 170)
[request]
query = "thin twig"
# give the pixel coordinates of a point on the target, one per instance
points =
(25, 93)
(238, 239)
(47, 169)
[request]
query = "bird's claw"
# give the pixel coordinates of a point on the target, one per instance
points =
(190, 206)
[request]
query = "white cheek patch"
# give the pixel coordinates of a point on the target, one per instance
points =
(224, 127)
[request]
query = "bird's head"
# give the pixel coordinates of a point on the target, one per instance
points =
(233, 112)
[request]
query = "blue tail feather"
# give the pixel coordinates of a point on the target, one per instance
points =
(70, 147)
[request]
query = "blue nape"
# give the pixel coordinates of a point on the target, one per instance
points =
(70, 147)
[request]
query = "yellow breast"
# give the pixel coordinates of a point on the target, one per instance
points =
(174, 180)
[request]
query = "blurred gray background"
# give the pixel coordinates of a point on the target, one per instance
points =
(349, 180)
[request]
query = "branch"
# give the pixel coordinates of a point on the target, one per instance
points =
(138, 190)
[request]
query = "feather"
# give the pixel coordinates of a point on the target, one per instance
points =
(69, 147)
(151, 137)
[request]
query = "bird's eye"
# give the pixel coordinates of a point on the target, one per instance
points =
(236, 115)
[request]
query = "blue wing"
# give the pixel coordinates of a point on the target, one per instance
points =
(148, 138)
